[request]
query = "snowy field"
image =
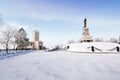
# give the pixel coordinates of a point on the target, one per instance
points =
(61, 65)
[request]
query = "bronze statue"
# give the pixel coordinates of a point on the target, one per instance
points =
(85, 22)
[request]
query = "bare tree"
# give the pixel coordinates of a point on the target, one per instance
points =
(1, 23)
(12, 41)
(113, 40)
(21, 39)
(119, 40)
(71, 41)
(6, 37)
(1, 20)
(98, 40)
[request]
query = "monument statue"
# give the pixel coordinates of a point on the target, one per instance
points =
(85, 35)
(85, 22)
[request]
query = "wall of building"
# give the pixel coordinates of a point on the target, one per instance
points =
(37, 45)
(35, 35)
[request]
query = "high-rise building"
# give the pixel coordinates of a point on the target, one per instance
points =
(35, 35)
(36, 44)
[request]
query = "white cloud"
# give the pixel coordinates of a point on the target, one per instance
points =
(41, 11)
(48, 12)
(16, 25)
(104, 22)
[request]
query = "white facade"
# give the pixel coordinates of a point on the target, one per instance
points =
(35, 35)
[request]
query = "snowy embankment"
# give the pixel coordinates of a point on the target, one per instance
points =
(100, 47)
(61, 65)
(12, 53)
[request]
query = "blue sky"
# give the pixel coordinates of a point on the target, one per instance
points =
(61, 20)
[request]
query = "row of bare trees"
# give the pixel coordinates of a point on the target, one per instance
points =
(10, 36)
(113, 40)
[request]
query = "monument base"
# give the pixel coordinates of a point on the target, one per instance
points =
(86, 39)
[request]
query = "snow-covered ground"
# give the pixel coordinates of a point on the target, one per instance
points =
(61, 65)
(100, 47)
